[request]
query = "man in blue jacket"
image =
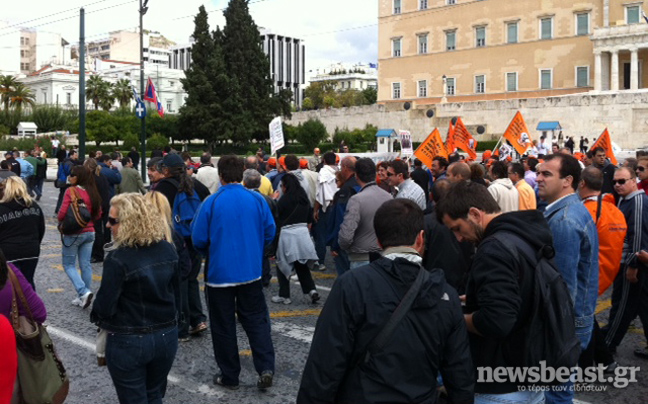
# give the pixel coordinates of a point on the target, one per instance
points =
(233, 226)
(576, 243)
(112, 175)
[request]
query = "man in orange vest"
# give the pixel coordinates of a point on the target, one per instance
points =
(611, 227)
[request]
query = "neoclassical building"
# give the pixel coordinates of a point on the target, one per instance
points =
(433, 51)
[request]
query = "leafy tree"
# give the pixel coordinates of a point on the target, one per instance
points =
(370, 95)
(157, 140)
(97, 90)
(130, 140)
(312, 133)
(307, 104)
(122, 92)
(21, 96)
(100, 127)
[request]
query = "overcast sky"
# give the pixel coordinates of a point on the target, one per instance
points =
(313, 21)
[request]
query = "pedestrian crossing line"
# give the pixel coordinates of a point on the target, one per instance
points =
(603, 305)
(320, 275)
(298, 332)
(295, 313)
(50, 256)
(245, 352)
(191, 387)
(55, 290)
(631, 329)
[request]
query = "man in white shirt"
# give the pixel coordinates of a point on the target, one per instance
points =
(208, 174)
(326, 189)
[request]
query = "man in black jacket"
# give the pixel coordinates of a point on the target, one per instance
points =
(600, 162)
(430, 339)
(499, 289)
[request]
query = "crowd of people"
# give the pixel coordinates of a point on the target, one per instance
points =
(431, 263)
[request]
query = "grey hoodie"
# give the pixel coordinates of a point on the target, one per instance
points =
(505, 194)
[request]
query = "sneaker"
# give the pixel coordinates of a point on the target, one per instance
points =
(321, 267)
(265, 380)
(76, 302)
(184, 339)
(38, 197)
(279, 299)
(314, 296)
(86, 300)
(609, 369)
(218, 380)
(198, 328)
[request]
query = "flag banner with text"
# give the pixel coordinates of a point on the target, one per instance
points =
(605, 142)
(430, 148)
(462, 139)
(517, 134)
(276, 135)
(449, 145)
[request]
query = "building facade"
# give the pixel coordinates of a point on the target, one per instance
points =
(433, 51)
(346, 76)
(26, 50)
(125, 46)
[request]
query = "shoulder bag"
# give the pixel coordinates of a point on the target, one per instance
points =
(77, 215)
(41, 375)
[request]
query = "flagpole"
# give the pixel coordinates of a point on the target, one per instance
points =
(498, 143)
(142, 11)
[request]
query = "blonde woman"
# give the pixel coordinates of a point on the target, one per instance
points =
(22, 227)
(161, 204)
(138, 299)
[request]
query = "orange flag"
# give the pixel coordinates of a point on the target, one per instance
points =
(517, 134)
(463, 140)
(430, 148)
(450, 146)
(605, 142)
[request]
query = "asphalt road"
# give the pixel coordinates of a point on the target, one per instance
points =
(190, 380)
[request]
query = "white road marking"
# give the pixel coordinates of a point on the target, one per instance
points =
(190, 387)
(302, 333)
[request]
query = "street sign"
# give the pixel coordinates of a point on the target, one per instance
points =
(140, 110)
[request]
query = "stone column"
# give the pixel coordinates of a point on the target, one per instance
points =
(634, 69)
(614, 77)
(598, 71)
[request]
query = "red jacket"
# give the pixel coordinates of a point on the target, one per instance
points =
(66, 205)
(611, 227)
(9, 359)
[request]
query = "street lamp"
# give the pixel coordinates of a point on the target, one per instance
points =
(445, 89)
(142, 10)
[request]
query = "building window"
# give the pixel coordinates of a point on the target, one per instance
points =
(451, 40)
(26, 41)
(396, 91)
(582, 76)
(68, 98)
(511, 81)
(480, 84)
(480, 36)
(422, 88)
(22, 40)
(423, 44)
(450, 86)
(423, 4)
(44, 97)
(450, 2)
(546, 28)
(396, 47)
(168, 107)
(545, 79)
(512, 32)
(582, 24)
(397, 6)
(633, 14)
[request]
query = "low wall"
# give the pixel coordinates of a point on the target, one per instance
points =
(625, 114)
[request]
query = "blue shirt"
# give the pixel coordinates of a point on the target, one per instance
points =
(233, 225)
(576, 245)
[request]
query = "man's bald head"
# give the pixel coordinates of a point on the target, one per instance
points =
(440, 189)
(251, 163)
(459, 171)
(347, 167)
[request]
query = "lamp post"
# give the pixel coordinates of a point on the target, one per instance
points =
(445, 89)
(142, 10)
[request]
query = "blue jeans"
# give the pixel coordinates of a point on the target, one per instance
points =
(320, 234)
(358, 264)
(140, 363)
(78, 245)
(520, 397)
(248, 302)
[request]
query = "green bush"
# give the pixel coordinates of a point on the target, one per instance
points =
(157, 140)
(26, 143)
(4, 130)
(130, 140)
(486, 145)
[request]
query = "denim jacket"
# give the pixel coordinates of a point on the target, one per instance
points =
(576, 244)
(140, 290)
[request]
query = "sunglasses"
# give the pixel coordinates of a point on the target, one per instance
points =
(390, 174)
(113, 221)
(641, 169)
(620, 182)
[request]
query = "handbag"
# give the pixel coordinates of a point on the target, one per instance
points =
(59, 184)
(41, 375)
(77, 216)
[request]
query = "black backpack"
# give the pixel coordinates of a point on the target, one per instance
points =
(550, 332)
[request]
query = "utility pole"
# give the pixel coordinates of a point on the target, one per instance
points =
(142, 11)
(82, 83)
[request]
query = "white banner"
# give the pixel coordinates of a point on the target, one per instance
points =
(405, 138)
(276, 135)
(376, 157)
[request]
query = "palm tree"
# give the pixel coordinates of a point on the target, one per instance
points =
(97, 90)
(7, 86)
(20, 96)
(122, 92)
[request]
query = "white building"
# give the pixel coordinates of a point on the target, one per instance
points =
(59, 85)
(286, 54)
(346, 76)
(26, 50)
(124, 45)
